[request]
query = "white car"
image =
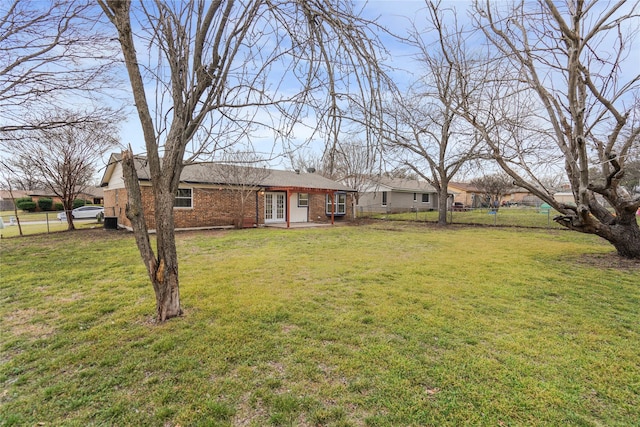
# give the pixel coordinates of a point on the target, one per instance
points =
(83, 212)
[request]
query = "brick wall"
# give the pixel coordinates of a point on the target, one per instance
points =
(211, 207)
(214, 207)
(318, 208)
(115, 202)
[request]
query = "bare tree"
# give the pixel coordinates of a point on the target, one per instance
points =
(564, 97)
(430, 141)
(310, 162)
(65, 157)
(401, 172)
(245, 175)
(221, 70)
(494, 187)
(53, 53)
(354, 163)
(23, 176)
(7, 173)
(429, 135)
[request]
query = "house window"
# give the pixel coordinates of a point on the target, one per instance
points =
(303, 200)
(425, 198)
(415, 197)
(183, 198)
(340, 207)
(384, 198)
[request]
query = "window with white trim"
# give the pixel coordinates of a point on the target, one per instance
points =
(184, 198)
(384, 198)
(425, 198)
(340, 207)
(303, 200)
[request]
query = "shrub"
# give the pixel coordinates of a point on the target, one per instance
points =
(79, 202)
(20, 200)
(26, 204)
(59, 206)
(45, 203)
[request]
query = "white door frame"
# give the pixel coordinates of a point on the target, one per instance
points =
(275, 207)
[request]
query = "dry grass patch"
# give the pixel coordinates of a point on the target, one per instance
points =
(26, 323)
(608, 260)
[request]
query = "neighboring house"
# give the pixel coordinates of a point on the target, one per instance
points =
(472, 197)
(565, 197)
(36, 195)
(208, 197)
(7, 198)
(516, 196)
(467, 194)
(93, 195)
(392, 195)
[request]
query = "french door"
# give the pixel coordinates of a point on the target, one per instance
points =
(274, 207)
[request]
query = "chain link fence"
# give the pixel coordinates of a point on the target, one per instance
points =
(511, 216)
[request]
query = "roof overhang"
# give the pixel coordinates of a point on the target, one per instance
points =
(106, 177)
(306, 189)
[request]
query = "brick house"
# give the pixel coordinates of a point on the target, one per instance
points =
(216, 195)
(469, 195)
(89, 194)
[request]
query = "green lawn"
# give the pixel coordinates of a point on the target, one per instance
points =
(29, 216)
(387, 324)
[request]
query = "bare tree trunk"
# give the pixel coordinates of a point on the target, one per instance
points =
(165, 280)
(621, 229)
(15, 207)
(625, 238)
(163, 270)
(443, 196)
(162, 267)
(70, 225)
(67, 204)
(15, 212)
